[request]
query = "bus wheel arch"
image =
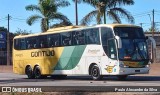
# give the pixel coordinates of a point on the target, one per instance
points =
(95, 72)
(29, 72)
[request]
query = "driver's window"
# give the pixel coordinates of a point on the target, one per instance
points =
(112, 49)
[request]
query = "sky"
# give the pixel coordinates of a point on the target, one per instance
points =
(141, 10)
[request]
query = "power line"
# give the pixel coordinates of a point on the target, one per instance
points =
(142, 13)
(19, 19)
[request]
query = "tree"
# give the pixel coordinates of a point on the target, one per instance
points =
(111, 8)
(156, 29)
(3, 29)
(61, 24)
(48, 11)
(22, 32)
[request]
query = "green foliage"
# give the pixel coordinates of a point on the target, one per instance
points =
(110, 8)
(3, 29)
(22, 32)
(155, 29)
(47, 12)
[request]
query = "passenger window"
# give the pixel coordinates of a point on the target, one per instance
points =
(66, 39)
(17, 44)
(78, 38)
(42, 41)
(31, 43)
(22, 44)
(54, 40)
(92, 36)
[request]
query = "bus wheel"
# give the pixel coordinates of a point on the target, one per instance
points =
(95, 73)
(29, 72)
(122, 77)
(37, 72)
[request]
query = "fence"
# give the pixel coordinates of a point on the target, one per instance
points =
(3, 58)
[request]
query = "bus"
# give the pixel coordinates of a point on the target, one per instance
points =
(101, 50)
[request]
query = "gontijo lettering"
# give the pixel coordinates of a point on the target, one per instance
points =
(42, 53)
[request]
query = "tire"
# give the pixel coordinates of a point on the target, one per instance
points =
(95, 73)
(122, 77)
(29, 72)
(37, 73)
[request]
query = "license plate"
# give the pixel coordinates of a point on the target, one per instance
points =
(137, 70)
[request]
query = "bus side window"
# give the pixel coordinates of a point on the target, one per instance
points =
(95, 36)
(23, 44)
(17, 44)
(53, 40)
(31, 42)
(42, 41)
(66, 38)
(57, 40)
(92, 36)
(78, 38)
(28, 44)
(20, 44)
(75, 38)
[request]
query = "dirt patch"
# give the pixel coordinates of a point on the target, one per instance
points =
(154, 69)
(6, 69)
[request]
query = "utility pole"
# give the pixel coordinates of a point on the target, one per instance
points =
(8, 43)
(141, 24)
(153, 24)
(76, 9)
(153, 30)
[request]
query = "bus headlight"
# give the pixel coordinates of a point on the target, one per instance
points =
(147, 65)
(126, 66)
(121, 64)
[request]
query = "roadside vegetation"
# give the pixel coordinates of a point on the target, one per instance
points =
(48, 11)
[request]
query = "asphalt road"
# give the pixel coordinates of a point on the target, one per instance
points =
(10, 79)
(80, 83)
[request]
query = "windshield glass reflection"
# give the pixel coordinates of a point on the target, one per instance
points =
(133, 50)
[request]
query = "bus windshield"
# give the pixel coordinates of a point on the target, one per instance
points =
(134, 46)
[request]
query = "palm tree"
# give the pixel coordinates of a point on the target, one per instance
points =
(48, 11)
(111, 8)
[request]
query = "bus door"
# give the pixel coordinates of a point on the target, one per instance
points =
(109, 47)
(112, 56)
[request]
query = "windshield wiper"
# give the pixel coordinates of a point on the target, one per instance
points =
(137, 51)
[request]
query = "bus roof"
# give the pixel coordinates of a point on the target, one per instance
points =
(63, 28)
(68, 28)
(118, 25)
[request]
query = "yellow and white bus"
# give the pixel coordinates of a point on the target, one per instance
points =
(109, 49)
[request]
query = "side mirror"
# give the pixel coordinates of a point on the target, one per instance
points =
(153, 41)
(119, 41)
